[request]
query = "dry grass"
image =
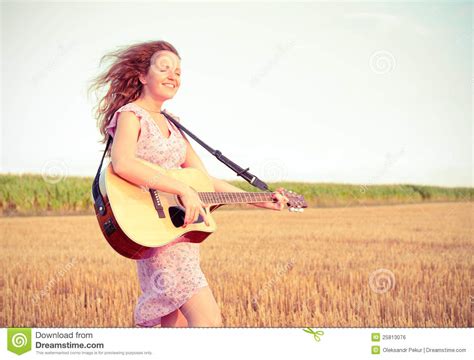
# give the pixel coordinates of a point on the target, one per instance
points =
(281, 269)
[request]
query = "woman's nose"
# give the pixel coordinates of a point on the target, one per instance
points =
(172, 77)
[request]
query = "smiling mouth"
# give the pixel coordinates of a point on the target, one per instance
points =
(171, 86)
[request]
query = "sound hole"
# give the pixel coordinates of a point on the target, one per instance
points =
(177, 215)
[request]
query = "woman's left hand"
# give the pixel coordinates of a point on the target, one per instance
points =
(277, 194)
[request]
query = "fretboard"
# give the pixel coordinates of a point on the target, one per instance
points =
(211, 198)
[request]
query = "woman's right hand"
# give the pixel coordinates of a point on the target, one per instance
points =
(193, 205)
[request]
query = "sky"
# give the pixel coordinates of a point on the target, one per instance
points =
(333, 92)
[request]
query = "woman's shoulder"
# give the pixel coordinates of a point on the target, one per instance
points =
(139, 112)
(129, 107)
(132, 107)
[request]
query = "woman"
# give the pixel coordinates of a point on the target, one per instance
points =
(175, 292)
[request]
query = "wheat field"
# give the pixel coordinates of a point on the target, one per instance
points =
(374, 266)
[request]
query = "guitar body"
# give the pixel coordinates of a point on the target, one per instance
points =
(137, 221)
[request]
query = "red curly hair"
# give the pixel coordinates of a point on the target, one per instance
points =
(122, 80)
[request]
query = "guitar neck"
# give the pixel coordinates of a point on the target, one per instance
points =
(215, 198)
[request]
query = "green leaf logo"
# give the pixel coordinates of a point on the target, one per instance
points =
(375, 336)
(19, 340)
(376, 350)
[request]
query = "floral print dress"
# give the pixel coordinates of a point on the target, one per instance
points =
(173, 275)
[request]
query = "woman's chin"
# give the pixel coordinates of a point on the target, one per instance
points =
(166, 96)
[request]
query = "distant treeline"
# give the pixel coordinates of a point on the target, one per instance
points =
(31, 194)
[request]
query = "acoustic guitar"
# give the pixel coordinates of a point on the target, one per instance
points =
(138, 220)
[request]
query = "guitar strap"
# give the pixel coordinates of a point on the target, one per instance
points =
(96, 194)
(252, 179)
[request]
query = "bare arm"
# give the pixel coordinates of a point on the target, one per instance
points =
(128, 167)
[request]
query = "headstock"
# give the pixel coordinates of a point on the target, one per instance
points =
(296, 202)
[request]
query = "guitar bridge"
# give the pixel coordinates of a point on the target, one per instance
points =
(157, 203)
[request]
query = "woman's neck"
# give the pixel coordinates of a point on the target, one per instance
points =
(150, 105)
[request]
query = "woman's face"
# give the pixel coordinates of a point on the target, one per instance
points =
(164, 76)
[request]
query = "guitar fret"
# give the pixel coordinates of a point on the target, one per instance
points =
(234, 197)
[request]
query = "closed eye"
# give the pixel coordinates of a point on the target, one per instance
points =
(179, 74)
